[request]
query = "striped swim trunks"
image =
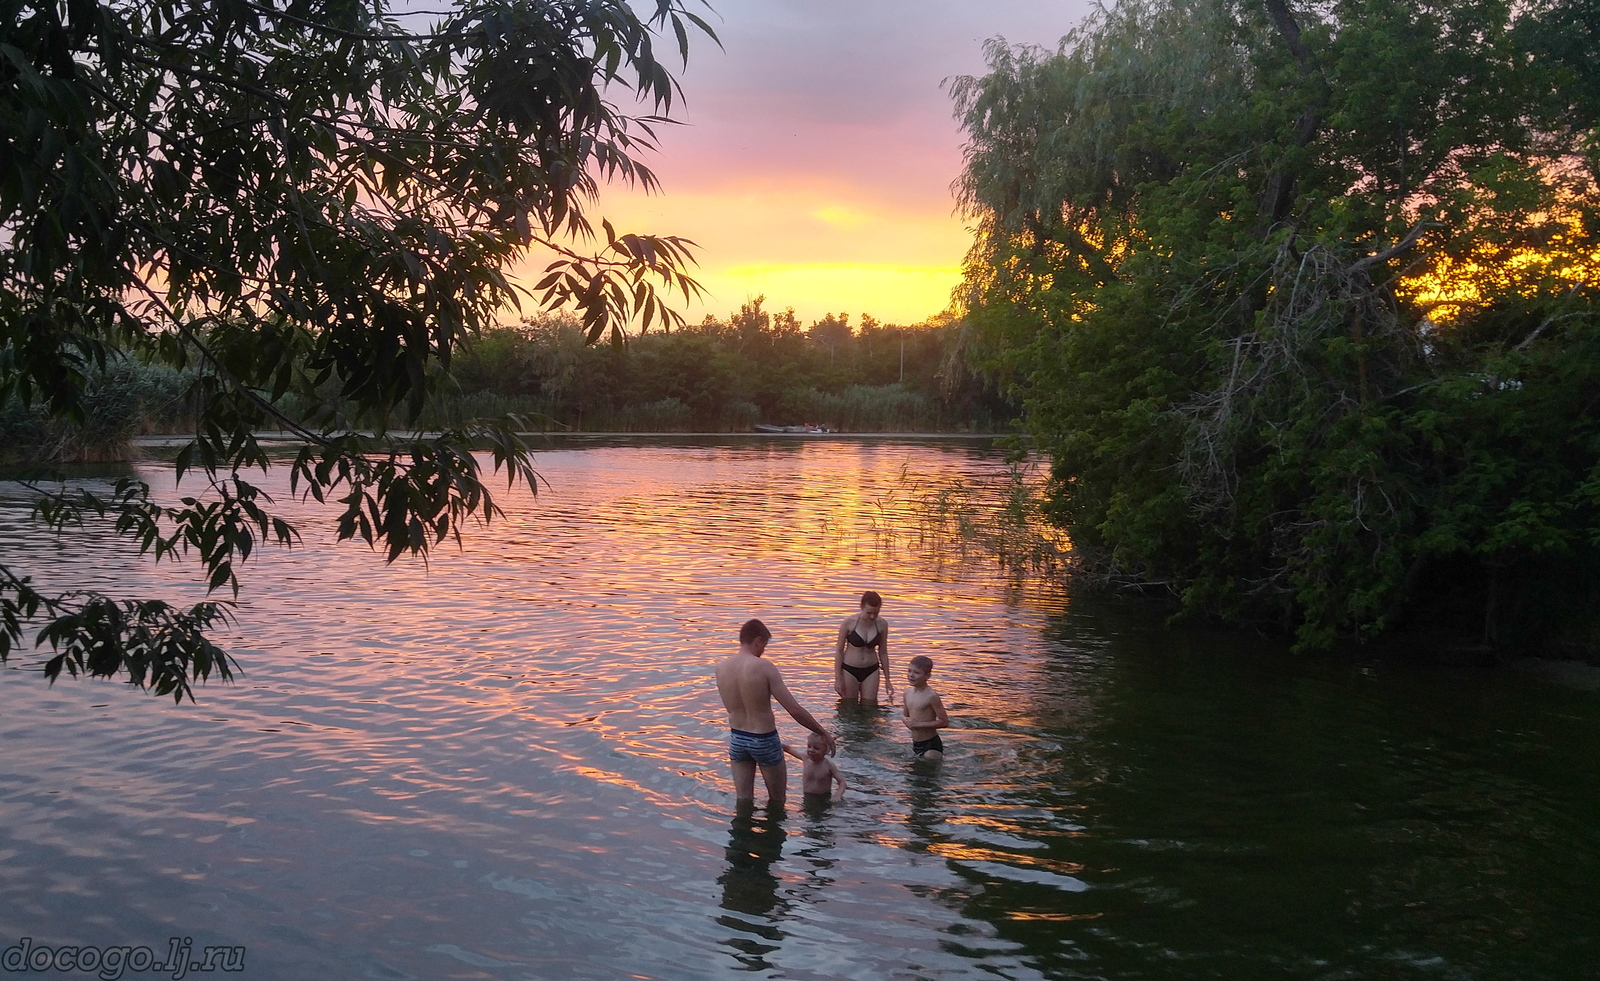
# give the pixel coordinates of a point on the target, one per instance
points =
(752, 747)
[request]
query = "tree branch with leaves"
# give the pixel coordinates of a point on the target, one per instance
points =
(316, 198)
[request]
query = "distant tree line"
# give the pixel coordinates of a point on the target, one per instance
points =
(728, 375)
(717, 376)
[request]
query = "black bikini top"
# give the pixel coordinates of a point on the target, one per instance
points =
(854, 639)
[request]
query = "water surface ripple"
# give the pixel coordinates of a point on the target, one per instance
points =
(509, 763)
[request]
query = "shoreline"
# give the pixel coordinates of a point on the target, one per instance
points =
(168, 441)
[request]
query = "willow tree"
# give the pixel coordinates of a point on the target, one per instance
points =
(316, 197)
(1300, 301)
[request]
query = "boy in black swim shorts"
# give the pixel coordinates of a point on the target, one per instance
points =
(923, 712)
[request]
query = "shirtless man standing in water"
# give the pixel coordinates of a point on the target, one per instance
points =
(748, 683)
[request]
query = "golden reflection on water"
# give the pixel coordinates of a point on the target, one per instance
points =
(556, 670)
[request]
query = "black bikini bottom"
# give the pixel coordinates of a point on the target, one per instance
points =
(862, 674)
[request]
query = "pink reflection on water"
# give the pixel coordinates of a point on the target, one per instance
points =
(539, 700)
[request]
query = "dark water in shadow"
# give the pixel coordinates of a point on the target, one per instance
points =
(509, 764)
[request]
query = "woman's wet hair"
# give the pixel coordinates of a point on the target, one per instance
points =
(869, 598)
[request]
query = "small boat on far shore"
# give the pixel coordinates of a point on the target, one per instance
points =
(762, 427)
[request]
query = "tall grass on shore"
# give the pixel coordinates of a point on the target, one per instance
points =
(128, 399)
(893, 408)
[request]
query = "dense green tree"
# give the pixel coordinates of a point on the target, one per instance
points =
(1300, 301)
(310, 202)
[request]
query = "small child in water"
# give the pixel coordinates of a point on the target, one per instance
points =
(819, 774)
(923, 711)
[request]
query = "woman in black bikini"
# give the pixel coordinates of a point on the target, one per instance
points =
(862, 655)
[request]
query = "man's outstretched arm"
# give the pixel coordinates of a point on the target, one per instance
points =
(780, 691)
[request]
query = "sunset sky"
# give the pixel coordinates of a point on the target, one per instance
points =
(818, 149)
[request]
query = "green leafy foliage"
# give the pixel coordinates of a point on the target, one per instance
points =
(1300, 301)
(300, 201)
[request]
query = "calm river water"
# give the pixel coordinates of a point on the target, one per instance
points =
(509, 764)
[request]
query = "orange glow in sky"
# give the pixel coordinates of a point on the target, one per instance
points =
(1450, 289)
(818, 249)
(817, 149)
